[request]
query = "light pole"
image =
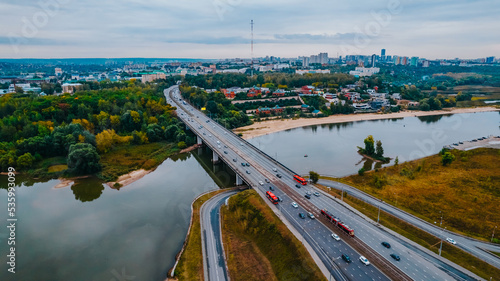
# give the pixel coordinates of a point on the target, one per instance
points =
(378, 218)
(493, 235)
(441, 246)
(342, 194)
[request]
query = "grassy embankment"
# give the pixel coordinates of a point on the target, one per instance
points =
(127, 158)
(190, 266)
(259, 246)
(466, 190)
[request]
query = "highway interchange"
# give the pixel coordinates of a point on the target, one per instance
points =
(234, 151)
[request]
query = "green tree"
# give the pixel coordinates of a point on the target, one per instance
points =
(396, 161)
(181, 145)
(314, 176)
(379, 149)
(361, 171)
(447, 158)
(25, 160)
(369, 145)
(83, 159)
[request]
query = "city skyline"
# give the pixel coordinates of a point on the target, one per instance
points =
(221, 29)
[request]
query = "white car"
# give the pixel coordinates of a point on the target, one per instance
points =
(335, 236)
(295, 205)
(261, 183)
(451, 241)
(311, 215)
(364, 260)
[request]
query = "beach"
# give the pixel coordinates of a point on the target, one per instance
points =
(273, 126)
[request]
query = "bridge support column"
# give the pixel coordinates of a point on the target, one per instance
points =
(215, 157)
(199, 141)
(239, 180)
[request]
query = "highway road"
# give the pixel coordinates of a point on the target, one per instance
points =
(467, 244)
(214, 262)
(237, 153)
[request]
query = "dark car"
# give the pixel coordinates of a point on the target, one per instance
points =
(308, 196)
(234, 159)
(271, 188)
(278, 175)
(387, 245)
(225, 152)
(242, 164)
(346, 258)
(248, 172)
(297, 186)
(302, 216)
(396, 257)
(280, 199)
(248, 165)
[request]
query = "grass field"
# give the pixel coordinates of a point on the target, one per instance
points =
(467, 191)
(190, 266)
(421, 237)
(259, 246)
(127, 158)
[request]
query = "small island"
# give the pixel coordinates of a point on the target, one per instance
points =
(375, 153)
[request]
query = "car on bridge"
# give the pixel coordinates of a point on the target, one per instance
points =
(234, 159)
(364, 260)
(271, 188)
(307, 196)
(316, 194)
(261, 183)
(267, 180)
(396, 257)
(295, 205)
(278, 175)
(346, 258)
(248, 172)
(451, 241)
(302, 216)
(335, 236)
(311, 215)
(387, 245)
(297, 186)
(248, 165)
(243, 164)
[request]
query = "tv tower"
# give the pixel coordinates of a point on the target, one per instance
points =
(251, 27)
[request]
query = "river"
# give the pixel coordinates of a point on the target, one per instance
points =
(331, 149)
(92, 232)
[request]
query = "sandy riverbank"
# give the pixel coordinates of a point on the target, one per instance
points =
(129, 178)
(272, 126)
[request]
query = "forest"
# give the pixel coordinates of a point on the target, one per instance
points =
(83, 126)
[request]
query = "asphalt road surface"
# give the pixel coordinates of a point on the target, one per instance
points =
(213, 253)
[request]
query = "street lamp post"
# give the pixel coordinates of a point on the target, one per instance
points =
(342, 194)
(493, 235)
(441, 246)
(378, 218)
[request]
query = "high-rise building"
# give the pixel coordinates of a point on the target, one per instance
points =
(414, 61)
(490, 59)
(374, 58)
(305, 62)
(323, 58)
(404, 60)
(382, 53)
(396, 60)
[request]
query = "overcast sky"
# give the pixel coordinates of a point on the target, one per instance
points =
(221, 28)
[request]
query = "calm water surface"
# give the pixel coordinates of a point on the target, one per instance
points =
(331, 149)
(91, 232)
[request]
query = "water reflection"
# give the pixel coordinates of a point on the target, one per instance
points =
(88, 189)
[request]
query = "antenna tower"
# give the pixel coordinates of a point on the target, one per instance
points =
(251, 26)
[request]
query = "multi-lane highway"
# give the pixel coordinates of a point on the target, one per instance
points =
(213, 253)
(255, 167)
(470, 245)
